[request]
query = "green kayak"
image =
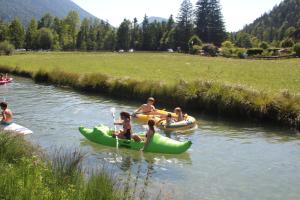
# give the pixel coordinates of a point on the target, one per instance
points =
(159, 144)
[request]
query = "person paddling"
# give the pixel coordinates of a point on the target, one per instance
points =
(7, 116)
(126, 133)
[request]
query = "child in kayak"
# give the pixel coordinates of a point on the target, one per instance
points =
(126, 133)
(147, 108)
(6, 114)
(150, 133)
(2, 77)
(180, 116)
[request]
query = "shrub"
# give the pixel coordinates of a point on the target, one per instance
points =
(227, 44)
(287, 43)
(6, 48)
(194, 41)
(210, 49)
(240, 52)
(195, 49)
(254, 51)
(264, 45)
(297, 49)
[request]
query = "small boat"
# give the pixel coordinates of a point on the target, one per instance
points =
(20, 130)
(159, 144)
(7, 80)
(143, 118)
(188, 123)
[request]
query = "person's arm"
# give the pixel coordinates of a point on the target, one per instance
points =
(3, 115)
(138, 110)
(119, 122)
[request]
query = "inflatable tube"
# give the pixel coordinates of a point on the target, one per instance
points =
(143, 118)
(188, 123)
(159, 144)
(9, 80)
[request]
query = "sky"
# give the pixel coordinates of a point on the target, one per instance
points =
(237, 13)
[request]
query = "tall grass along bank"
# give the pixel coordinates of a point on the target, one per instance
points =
(235, 101)
(26, 174)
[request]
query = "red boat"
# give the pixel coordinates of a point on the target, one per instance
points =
(6, 80)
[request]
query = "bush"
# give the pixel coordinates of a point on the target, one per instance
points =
(254, 51)
(194, 41)
(264, 45)
(195, 49)
(287, 43)
(210, 49)
(227, 44)
(240, 52)
(297, 49)
(6, 48)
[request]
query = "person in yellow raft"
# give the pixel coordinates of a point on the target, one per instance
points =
(7, 116)
(148, 108)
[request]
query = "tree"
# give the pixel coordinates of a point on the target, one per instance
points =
(135, 35)
(83, 35)
(47, 21)
(146, 36)
(243, 40)
(31, 35)
(264, 45)
(123, 35)
(209, 21)
(16, 33)
(110, 40)
(184, 29)
(72, 22)
(45, 38)
(4, 31)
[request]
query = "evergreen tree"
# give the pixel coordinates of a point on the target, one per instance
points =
(16, 33)
(146, 36)
(45, 38)
(184, 29)
(135, 36)
(83, 35)
(209, 21)
(170, 23)
(123, 35)
(31, 35)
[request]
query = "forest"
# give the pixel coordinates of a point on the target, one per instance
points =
(196, 29)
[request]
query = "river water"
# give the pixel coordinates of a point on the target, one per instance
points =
(230, 161)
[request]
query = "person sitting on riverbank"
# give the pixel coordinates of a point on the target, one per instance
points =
(179, 113)
(7, 116)
(126, 133)
(150, 133)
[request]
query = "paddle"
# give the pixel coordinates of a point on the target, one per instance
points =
(113, 110)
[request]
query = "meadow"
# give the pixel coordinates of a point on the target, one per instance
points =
(262, 75)
(259, 90)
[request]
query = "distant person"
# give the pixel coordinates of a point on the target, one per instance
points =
(126, 132)
(150, 133)
(180, 116)
(7, 116)
(148, 108)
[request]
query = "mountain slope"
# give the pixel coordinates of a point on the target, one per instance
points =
(27, 9)
(281, 22)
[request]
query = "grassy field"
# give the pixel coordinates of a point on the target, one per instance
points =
(261, 75)
(258, 90)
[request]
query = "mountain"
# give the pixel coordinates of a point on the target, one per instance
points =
(158, 19)
(281, 22)
(27, 9)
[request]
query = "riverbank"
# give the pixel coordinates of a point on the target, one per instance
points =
(27, 174)
(224, 96)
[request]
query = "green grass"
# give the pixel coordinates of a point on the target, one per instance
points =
(262, 75)
(258, 90)
(25, 174)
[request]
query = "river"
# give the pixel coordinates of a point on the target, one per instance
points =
(227, 161)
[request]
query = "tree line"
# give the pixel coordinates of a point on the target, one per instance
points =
(204, 23)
